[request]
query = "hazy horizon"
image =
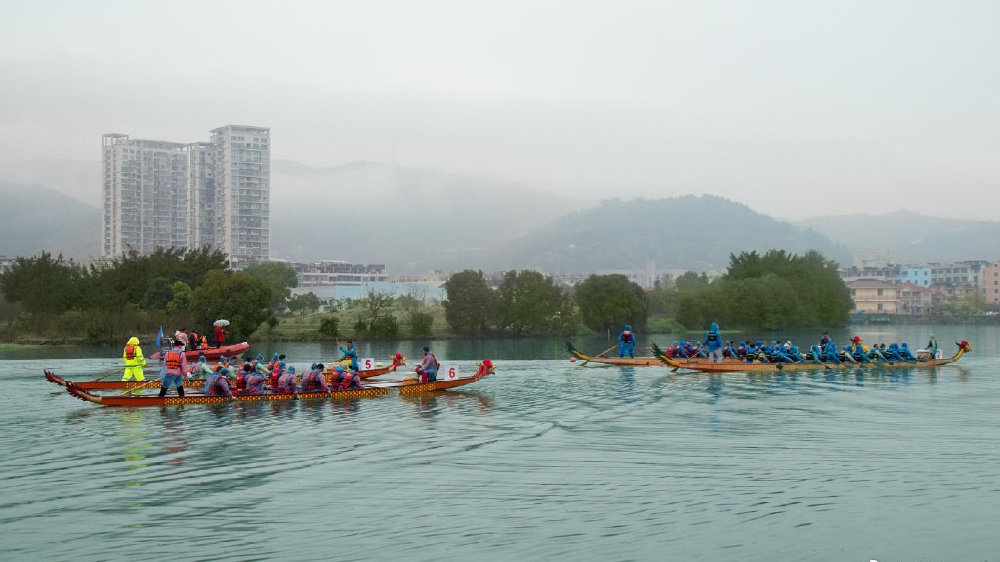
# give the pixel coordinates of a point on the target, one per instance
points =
(793, 109)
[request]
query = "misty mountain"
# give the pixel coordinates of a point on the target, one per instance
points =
(37, 218)
(907, 235)
(410, 219)
(692, 233)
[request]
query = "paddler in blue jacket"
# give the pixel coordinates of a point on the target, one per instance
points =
(350, 353)
(816, 353)
(830, 352)
(892, 352)
(626, 342)
(905, 353)
(713, 344)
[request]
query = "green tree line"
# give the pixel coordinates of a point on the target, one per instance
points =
(54, 298)
(776, 290)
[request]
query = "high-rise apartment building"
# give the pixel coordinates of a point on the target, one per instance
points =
(167, 194)
(243, 191)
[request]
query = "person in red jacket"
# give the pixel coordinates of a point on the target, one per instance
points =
(220, 336)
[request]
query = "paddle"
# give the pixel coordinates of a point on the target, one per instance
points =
(144, 385)
(606, 350)
(111, 373)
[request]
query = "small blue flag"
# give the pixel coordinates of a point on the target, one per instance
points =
(159, 337)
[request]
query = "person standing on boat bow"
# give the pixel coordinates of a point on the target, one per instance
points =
(350, 353)
(134, 361)
(428, 369)
(626, 342)
(713, 343)
(175, 365)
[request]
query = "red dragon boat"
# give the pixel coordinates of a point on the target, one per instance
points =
(371, 389)
(963, 347)
(198, 383)
(213, 352)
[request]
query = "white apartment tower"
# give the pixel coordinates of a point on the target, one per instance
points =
(166, 194)
(242, 192)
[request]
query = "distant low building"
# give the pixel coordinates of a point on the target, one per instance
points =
(920, 276)
(989, 282)
(875, 296)
(332, 272)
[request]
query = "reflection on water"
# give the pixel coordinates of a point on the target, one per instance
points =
(626, 384)
(134, 432)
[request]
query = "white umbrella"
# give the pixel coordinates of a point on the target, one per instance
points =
(221, 323)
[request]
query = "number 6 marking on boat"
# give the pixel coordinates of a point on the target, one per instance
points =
(450, 372)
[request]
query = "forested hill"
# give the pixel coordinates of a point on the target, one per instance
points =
(37, 218)
(906, 235)
(690, 232)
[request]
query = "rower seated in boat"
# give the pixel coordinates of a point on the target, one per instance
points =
(830, 352)
(792, 351)
(875, 354)
(905, 353)
(892, 352)
(217, 384)
(776, 354)
(260, 366)
(287, 383)
(277, 371)
(241, 375)
(200, 369)
(344, 379)
(313, 379)
(253, 383)
(857, 350)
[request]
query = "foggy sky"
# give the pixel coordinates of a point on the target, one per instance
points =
(795, 108)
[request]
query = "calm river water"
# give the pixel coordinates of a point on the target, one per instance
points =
(545, 460)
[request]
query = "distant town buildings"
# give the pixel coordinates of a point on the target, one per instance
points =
(923, 288)
(169, 194)
(330, 272)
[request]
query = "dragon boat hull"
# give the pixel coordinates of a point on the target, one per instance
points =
(806, 366)
(370, 390)
(188, 383)
(620, 361)
(633, 361)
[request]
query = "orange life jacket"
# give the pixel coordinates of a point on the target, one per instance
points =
(130, 352)
(174, 359)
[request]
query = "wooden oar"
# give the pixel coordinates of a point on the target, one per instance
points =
(144, 385)
(606, 350)
(112, 372)
(585, 361)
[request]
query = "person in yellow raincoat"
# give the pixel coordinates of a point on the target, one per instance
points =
(134, 361)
